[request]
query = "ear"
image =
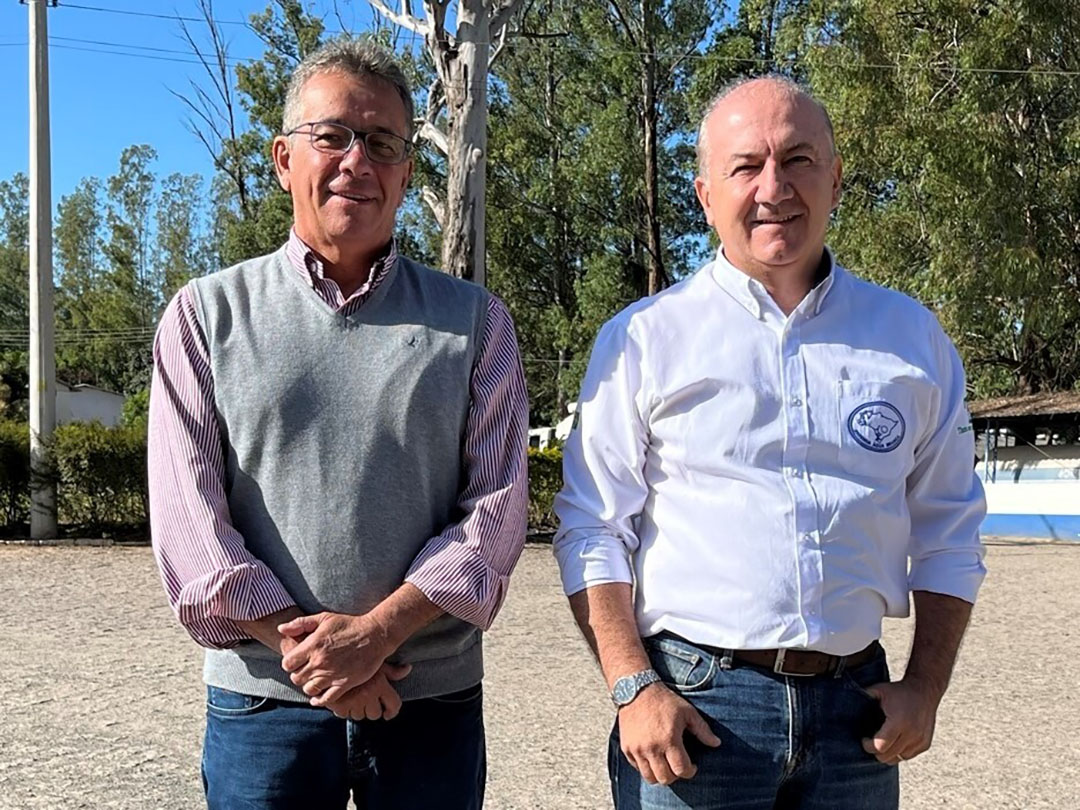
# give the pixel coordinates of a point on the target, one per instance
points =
(701, 187)
(838, 186)
(280, 151)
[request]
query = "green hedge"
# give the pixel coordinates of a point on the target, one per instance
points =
(100, 474)
(14, 476)
(545, 481)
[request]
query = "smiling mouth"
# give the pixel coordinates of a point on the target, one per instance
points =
(354, 197)
(777, 220)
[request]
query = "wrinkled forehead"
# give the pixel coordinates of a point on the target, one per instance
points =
(353, 100)
(766, 122)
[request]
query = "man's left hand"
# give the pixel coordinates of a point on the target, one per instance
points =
(340, 653)
(910, 710)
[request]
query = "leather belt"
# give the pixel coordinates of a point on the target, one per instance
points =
(804, 662)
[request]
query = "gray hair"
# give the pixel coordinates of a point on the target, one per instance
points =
(359, 58)
(788, 85)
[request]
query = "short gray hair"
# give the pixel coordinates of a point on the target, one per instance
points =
(359, 58)
(789, 85)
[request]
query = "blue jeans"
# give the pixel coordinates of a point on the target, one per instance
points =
(265, 754)
(788, 743)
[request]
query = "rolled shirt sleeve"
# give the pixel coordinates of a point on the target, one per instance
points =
(604, 487)
(465, 570)
(944, 496)
(211, 580)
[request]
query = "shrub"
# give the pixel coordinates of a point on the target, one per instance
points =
(545, 481)
(14, 475)
(101, 475)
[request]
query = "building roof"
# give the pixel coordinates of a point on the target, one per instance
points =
(1047, 404)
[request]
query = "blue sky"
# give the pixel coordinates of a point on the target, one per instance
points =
(103, 102)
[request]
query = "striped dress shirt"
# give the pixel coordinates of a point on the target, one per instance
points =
(211, 579)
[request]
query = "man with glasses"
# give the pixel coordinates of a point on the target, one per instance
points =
(772, 456)
(337, 477)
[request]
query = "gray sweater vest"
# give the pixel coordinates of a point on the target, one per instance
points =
(343, 441)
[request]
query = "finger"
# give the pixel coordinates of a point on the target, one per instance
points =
(876, 691)
(679, 763)
(884, 739)
(334, 691)
(395, 672)
(305, 674)
(373, 708)
(660, 769)
(314, 687)
(645, 769)
(299, 626)
(391, 703)
(299, 656)
(700, 729)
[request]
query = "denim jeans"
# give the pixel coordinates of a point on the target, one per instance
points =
(265, 754)
(788, 742)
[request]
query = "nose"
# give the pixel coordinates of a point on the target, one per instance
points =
(773, 186)
(356, 160)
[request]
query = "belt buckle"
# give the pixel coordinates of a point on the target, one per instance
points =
(778, 666)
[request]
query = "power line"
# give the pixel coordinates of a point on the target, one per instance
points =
(176, 59)
(130, 13)
(559, 44)
(136, 47)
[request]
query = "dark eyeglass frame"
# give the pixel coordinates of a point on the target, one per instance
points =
(354, 136)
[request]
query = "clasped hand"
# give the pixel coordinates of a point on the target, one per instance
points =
(339, 655)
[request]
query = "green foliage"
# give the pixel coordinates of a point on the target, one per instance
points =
(136, 409)
(567, 227)
(545, 481)
(101, 476)
(14, 475)
(961, 185)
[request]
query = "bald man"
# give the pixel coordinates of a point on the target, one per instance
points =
(771, 456)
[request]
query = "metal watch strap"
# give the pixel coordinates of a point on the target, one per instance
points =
(629, 687)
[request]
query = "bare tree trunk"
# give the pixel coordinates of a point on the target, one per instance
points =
(463, 242)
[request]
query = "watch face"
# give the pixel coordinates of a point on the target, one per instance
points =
(624, 691)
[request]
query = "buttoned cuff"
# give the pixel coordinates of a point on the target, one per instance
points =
(596, 560)
(956, 573)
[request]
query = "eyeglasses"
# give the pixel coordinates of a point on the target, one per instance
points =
(337, 139)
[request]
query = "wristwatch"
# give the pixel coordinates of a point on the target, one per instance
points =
(629, 687)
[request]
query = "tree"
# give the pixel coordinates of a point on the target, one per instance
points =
(182, 251)
(14, 291)
(569, 213)
(958, 122)
(461, 61)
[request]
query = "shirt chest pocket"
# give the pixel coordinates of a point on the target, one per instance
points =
(876, 427)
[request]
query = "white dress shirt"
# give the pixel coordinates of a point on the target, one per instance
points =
(765, 479)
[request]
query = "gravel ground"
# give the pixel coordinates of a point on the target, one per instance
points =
(101, 706)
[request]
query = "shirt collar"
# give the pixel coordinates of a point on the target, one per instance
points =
(752, 294)
(308, 264)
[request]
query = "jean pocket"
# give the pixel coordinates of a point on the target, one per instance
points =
(681, 665)
(468, 695)
(225, 703)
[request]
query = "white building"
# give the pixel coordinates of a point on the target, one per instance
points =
(87, 403)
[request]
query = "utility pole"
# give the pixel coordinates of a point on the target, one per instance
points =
(42, 352)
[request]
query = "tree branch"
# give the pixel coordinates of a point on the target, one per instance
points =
(501, 18)
(404, 20)
(435, 136)
(438, 208)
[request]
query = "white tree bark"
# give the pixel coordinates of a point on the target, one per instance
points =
(461, 62)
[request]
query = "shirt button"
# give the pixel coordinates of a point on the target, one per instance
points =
(794, 472)
(796, 402)
(808, 538)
